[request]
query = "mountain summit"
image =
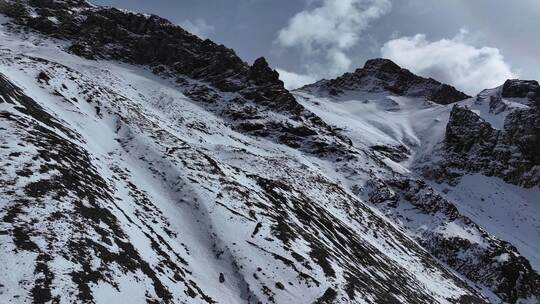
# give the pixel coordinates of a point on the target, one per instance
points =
(380, 75)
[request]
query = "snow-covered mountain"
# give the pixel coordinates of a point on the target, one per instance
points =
(141, 164)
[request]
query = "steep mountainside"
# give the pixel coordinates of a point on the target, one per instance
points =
(512, 152)
(436, 153)
(142, 164)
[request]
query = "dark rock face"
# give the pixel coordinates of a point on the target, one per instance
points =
(521, 88)
(395, 153)
(472, 145)
(262, 74)
(467, 132)
(379, 75)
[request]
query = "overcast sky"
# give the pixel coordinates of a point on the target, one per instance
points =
(470, 44)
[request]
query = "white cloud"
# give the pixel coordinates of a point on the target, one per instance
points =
(199, 27)
(294, 81)
(454, 61)
(325, 33)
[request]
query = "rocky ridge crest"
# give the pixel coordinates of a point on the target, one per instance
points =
(380, 75)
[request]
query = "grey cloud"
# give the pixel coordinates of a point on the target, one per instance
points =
(325, 33)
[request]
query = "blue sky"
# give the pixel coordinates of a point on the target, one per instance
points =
(470, 44)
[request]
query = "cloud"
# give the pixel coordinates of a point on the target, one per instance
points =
(454, 61)
(325, 33)
(199, 27)
(294, 81)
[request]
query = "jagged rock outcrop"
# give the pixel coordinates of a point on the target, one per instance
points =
(472, 145)
(379, 75)
(262, 74)
(521, 89)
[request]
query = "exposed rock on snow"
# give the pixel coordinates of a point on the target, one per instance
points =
(521, 88)
(439, 227)
(472, 145)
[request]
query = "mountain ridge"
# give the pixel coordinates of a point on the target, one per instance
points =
(383, 74)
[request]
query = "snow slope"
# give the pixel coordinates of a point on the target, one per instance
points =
(130, 191)
(119, 185)
(413, 132)
(508, 211)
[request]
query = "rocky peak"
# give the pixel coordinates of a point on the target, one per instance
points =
(381, 65)
(261, 73)
(521, 88)
(466, 130)
(383, 75)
